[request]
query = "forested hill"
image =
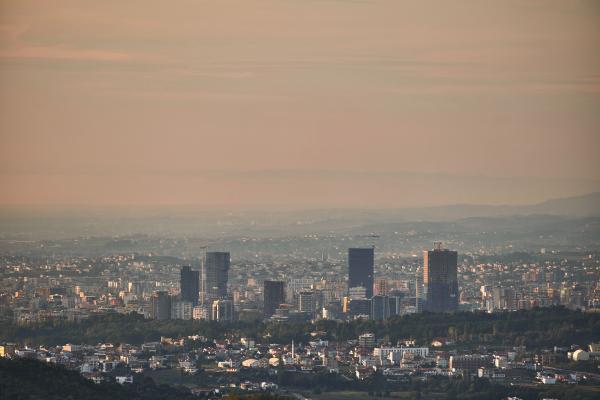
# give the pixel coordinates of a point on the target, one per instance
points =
(23, 379)
(32, 380)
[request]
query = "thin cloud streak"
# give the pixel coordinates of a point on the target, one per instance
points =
(63, 53)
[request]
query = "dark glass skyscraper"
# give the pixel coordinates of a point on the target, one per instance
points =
(189, 284)
(161, 305)
(380, 307)
(216, 274)
(360, 268)
(274, 295)
(440, 279)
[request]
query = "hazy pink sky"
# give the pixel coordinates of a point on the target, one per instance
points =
(298, 102)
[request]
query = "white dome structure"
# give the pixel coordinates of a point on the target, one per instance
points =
(250, 363)
(274, 362)
(581, 355)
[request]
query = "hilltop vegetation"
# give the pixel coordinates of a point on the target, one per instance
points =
(32, 380)
(536, 328)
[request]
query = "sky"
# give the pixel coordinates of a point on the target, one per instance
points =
(298, 103)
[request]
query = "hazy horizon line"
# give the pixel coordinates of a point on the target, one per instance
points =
(279, 207)
(274, 173)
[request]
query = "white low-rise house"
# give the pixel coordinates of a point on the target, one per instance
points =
(124, 379)
(157, 362)
(548, 380)
(26, 353)
(395, 354)
(137, 368)
(490, 373)
(98, 379)
(188, 367)
(268, 386)
(226, 364)
(396, 372)
(500, 361)
(369, 361)
(88, 367)
(319, 343)
(151, 347)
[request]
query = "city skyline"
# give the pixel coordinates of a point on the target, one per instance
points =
(364, 296)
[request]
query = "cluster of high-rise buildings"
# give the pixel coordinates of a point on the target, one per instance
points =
(436, 286)
(204, 293)
(299, 288)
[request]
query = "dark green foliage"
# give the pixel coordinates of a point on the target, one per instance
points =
(543, 327)
(23, 379)
(439, 388)
(483, 389)
(114, 328)
(32, 380)
(258, 396)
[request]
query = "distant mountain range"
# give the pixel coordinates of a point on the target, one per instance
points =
(585, 205)
(579, 206)
(65, 222)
